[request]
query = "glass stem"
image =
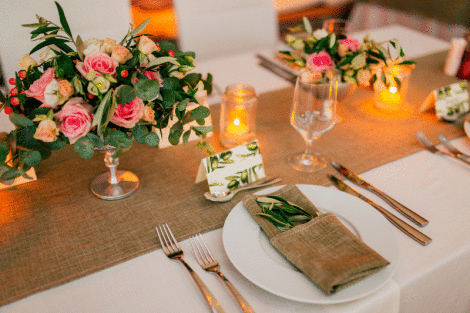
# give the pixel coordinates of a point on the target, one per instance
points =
(308, 149)
(112, 164)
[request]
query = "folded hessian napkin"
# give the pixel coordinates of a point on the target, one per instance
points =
(323, 248)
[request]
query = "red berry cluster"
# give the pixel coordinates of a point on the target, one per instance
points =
(14, 100)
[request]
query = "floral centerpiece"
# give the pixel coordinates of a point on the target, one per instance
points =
(97, 92)
(330, 56)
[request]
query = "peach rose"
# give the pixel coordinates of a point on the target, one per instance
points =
(121, 54)
(75, 119)
(27, 61)
(146, 45)
(66, 88)
(47, 131)
(99, 62)
(149, 115)
(108, 45)
(319, 62)
(37, 89)
(127, 115)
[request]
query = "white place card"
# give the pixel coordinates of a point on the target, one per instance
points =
(450, 102)
(232, 168)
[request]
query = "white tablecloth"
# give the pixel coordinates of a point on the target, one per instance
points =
(429, 279)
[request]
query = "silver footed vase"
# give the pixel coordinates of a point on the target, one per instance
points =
(115, 184)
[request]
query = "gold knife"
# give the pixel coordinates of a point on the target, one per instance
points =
(356, 179)
(404, 227)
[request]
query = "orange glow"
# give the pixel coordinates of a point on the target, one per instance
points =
(238, 122)
(389, 99)
(162, 23)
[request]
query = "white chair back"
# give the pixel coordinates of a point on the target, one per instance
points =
(213, 28)
(87, 18)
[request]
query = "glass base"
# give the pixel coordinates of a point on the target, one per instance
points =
(307, 163)
(127, 184)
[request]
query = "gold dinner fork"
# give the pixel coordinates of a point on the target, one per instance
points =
(173, 250)
(210, 264)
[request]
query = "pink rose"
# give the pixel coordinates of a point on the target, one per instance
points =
(127, 115)
(37, 89)
(75, 119)
(47, 131)
(319, 62)
(153, 75)
(351, 43)
(99, 62)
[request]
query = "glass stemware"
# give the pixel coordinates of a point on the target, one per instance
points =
(313, 113)
(114, 185)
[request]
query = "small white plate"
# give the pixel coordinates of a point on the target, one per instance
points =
(249, 250)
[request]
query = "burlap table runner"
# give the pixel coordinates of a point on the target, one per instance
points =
(323, 248)
(54, 230)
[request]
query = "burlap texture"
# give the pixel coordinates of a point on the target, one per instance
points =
(323, 248)
(54, 230)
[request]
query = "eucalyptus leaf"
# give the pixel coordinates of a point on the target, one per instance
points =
(20, 121)
(182, 105)
(147, 89)
(126, 94)
(33, 158)
(152, 139)
(139, 28)
(200, 112)
(84, 147)
(4, 150)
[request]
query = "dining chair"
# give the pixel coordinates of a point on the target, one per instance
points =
(87, 18)
(225, 27)
(365, 16)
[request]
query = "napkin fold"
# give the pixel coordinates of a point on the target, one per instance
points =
(323, 248)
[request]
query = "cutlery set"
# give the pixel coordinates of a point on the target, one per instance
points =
(204, 257)
(452, 151)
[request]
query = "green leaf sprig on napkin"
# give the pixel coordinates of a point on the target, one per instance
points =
(282, 213)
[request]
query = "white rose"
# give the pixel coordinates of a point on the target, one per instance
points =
(297, 44)
(91, 45)
(27, 61)
(320, 33)
(46, 55)
(98, 85)
(363, 77)
(51, 95)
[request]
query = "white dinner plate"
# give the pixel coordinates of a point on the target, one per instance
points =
(248, 248)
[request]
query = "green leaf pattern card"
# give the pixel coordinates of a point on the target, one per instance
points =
(232, 168)
(451, 101)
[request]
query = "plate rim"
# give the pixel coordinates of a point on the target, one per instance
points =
(392, 268)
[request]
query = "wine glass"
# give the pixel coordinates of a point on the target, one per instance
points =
(313, 113)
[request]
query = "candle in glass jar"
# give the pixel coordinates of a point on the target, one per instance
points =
(390, 97)
(237, 125)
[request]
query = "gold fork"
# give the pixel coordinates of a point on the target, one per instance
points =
(210, 264)
(173, 250)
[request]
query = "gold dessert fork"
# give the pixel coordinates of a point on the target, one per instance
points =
(210, 264)
(173, 250)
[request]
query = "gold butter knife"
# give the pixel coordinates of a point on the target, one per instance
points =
(356, 179)
(404, 227)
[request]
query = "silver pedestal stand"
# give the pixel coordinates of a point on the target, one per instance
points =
(116, 184)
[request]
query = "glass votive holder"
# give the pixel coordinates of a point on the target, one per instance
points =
(335, 25)
(390, 97)
(238, 115)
